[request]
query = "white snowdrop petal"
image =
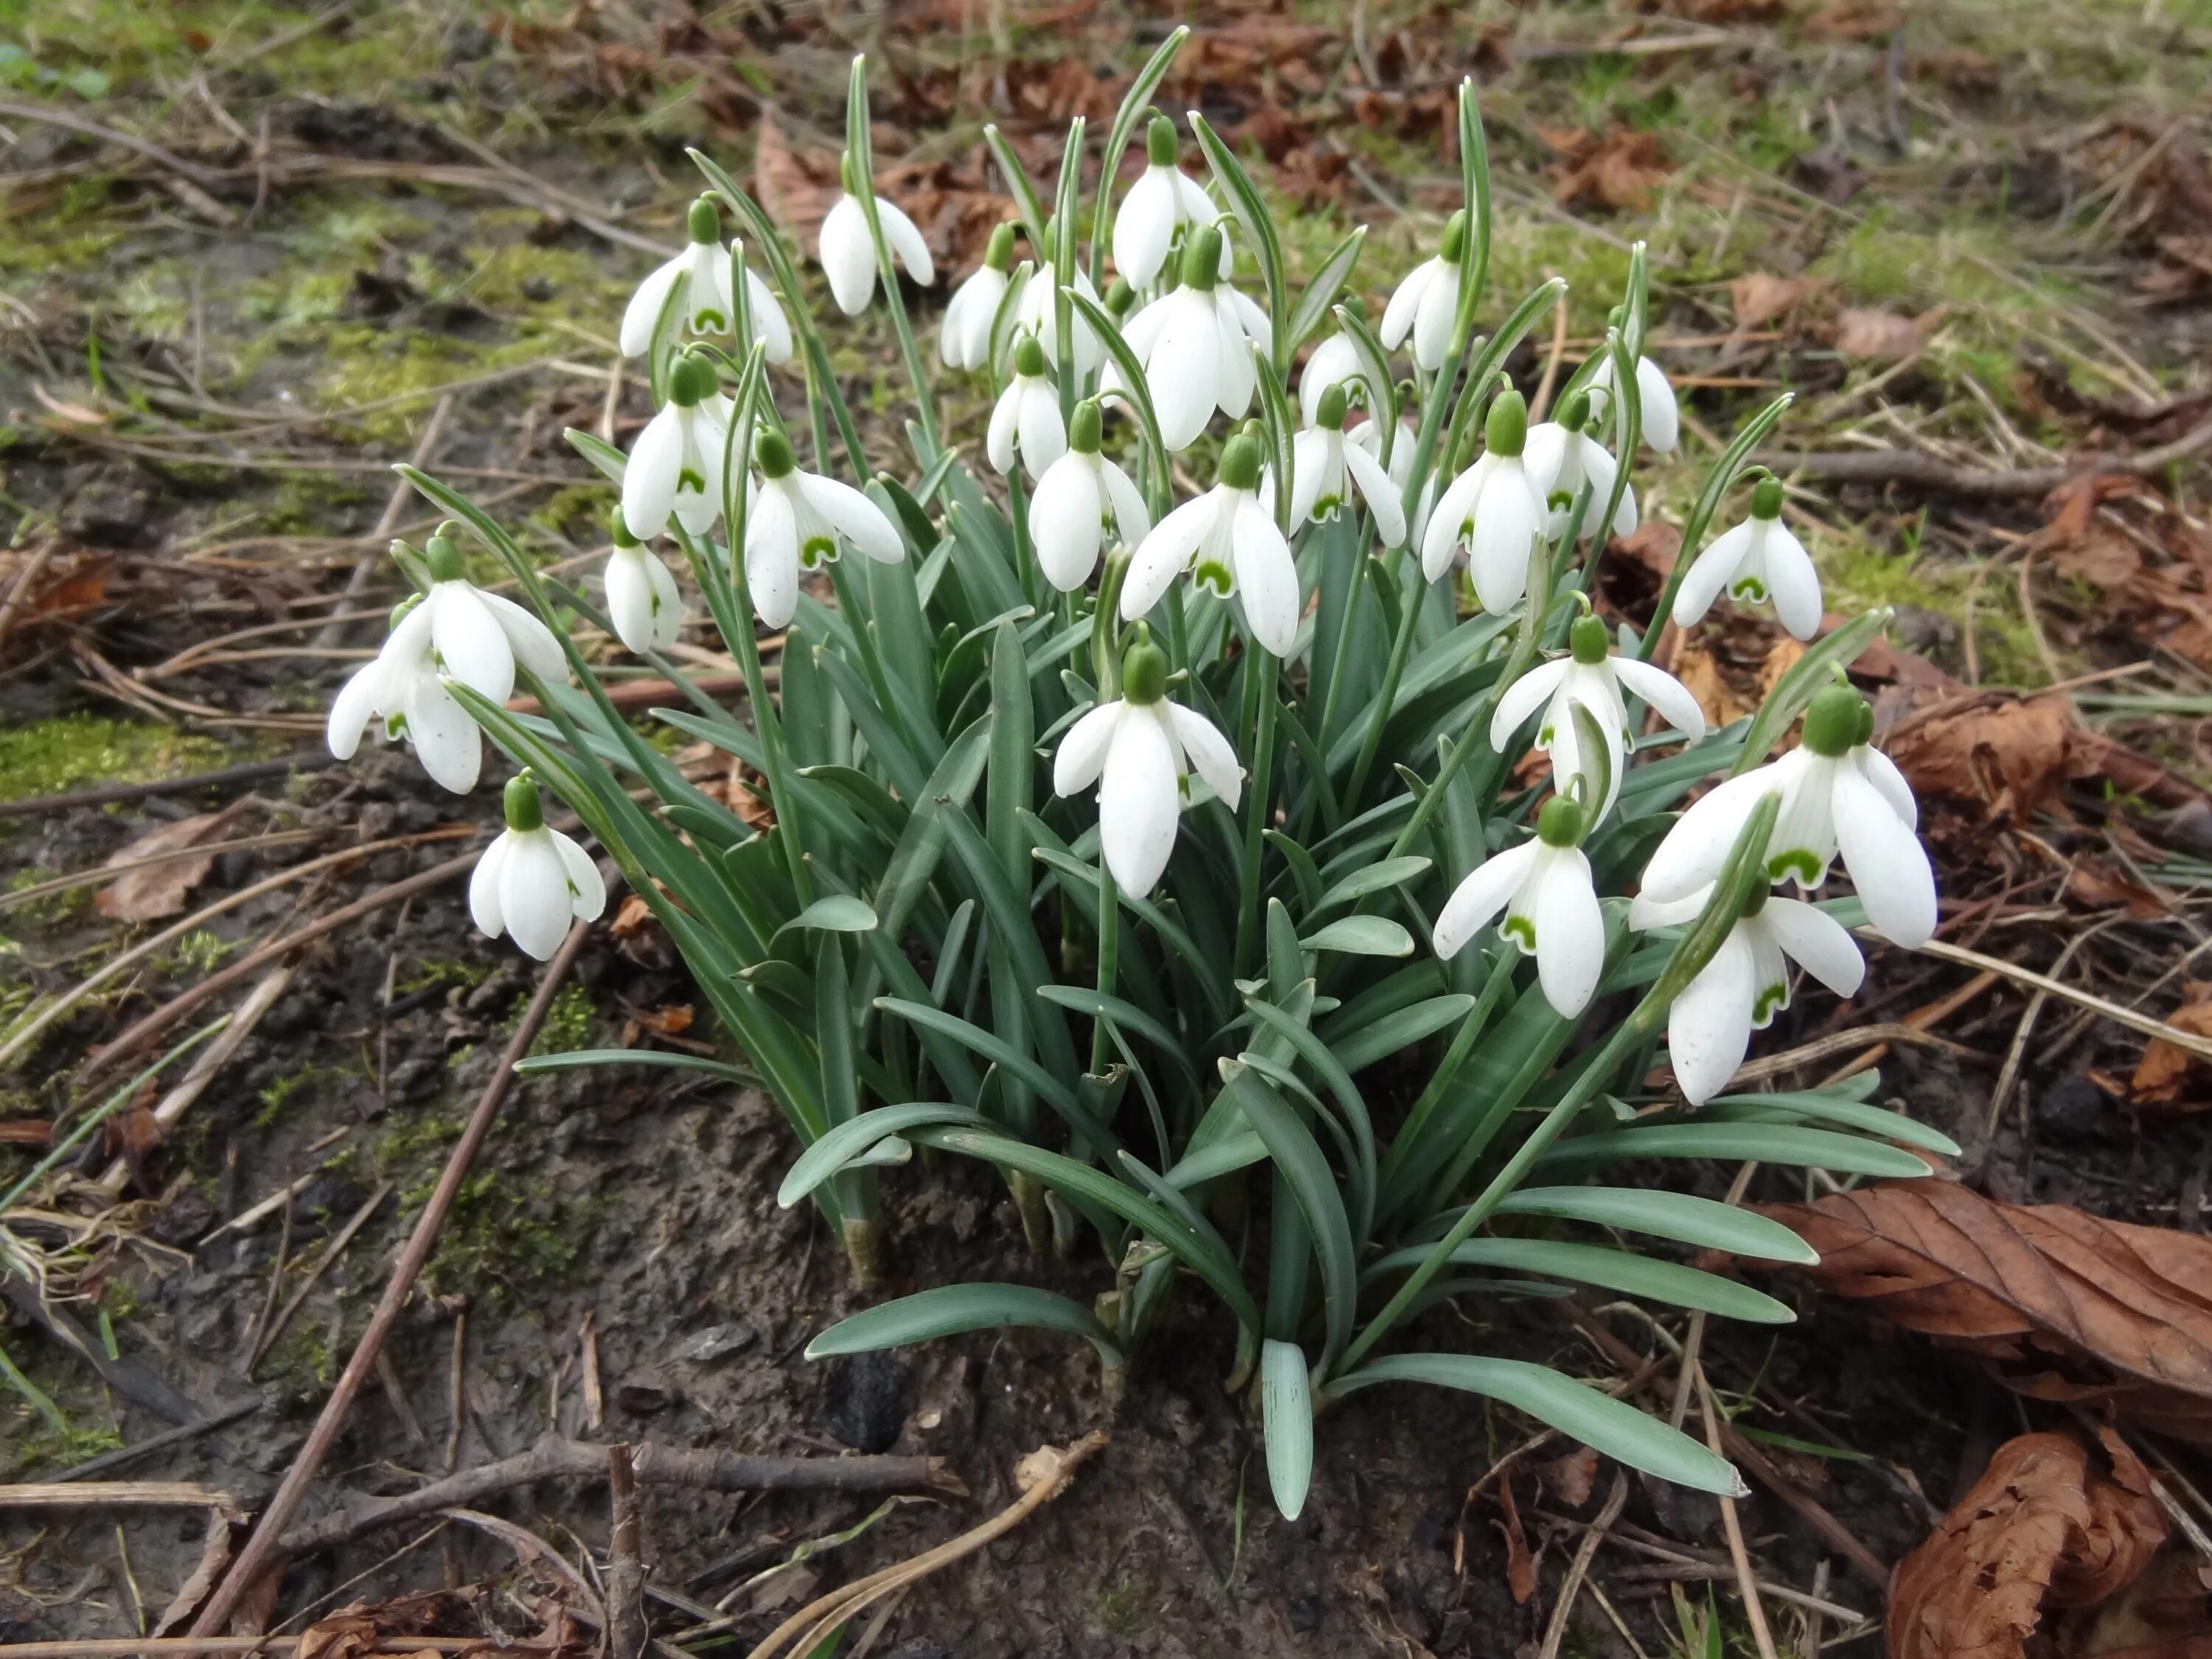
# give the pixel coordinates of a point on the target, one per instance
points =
(1308, 462)
(1083, 747)
(848, 257)
(1708, 1027)
(1881, 772)
(905, 241)
(770, 326)
(587, 893)
(1896, 883)
(1210, 755)
(772, 557)
(1504, 534)
(1662, 422)
(1441, 538)
(1694, 850)
(1405, 304)
(1131, 521)
(1266, 578)
(1570, 933)
(1335, 362)
(1646, 913)
(668, 604)
(1165, 553)
(531, 640)
(1006, 426)
(1379, 492)
(1184, 368)
(643, 311)
(1791, 582)
(1042, 433)
(1481, 894)
(533, 894)
(483, 887)
(1660, 688)
(853, 516)
(629, 599)
(1816, 941)
(446, 740)
(1065, 521)
(358, 702)
(1140, 804)
(1525, 697)
(471, 646)
(649, 477)
(1711, 571)
(1144, 226)
(1438, 316)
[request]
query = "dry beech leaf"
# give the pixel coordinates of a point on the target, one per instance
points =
(1759, 298)
(2103, 558)
(2059, 1304)
(161, 889)
(2043, 1528)
(1619, 171)
(2164, 1073)
(2010, 755)
(797, 191)
(2091, 883)
(1571, 1478)
(1520, 1565)
(1876, 336)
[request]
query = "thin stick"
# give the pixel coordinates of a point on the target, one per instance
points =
(2187, 1041)
(1578, 1569)
(275, 1287)
(209, 1060)
(161, 1442)
(262, 1547)
(107, 872)
(1925, 472)
(1732, 1527)
(395, 508)
(123, 1494)
(125, 1647)
(627, 1630)
(335, 1249)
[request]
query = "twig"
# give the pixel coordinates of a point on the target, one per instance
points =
(205, 178)
(554, 1458)
(108, 794)
(106, 873)
(2187, 1041)
(161, 1442)
(1841, 1042)
(19, 591)
(262, 1547)
(2009, 1074)
(283, 1259)
(395, 508)
(125, 1647)
(1048, 1469)
(120, 1494)
(209, 1060)
(1578, 1569)
(1732, 1526)
(627, 1630)
(335, 1249)
(1905, 466)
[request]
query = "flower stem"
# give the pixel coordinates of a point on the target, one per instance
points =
(1401, 648)
(1263, 666)
(1493, 990)
(1109, 939)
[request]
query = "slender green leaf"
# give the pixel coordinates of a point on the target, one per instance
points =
(1681, 1216)
(1769, 1143)
(1361, 936)
(951, 1309)
(1299, 1156)
(847, 1140)
(1286, 1421)
(1616, 1270)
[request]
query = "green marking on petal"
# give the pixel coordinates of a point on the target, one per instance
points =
(1749, 590)
(1215, 578)
(1773, 998)
(1326, 508)
(818, 551)
(1522, 930)
(1797, 860)
(695, 481)
(709, 321)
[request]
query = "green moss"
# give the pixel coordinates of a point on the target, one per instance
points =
(71, 751)
(567, 1022)
(278, 1096)
(427, 974)
(302, 1360)
(503, 1237)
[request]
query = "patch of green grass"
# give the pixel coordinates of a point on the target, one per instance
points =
(69, 751)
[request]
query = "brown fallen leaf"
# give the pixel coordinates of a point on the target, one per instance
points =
(2103, 558)
(1867, 335)
(1571, 1478)
(2165, 1614)
(1520, 1565)
(2043, 1528)
(2057, 1304)
(2091, 883)
(2010, 755)
(1619, 171)
(2164, 1073)
(1759, 298)
(159, 889)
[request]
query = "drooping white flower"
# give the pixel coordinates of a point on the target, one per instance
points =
(1425, 306)
(795, 522)
(1036, 311)
(643, 602)
(1661, 421)
(1138, 750)
(1747, 981)
(848, 254)
(1195, 345)
(1759, 562)
(532, 882)
(1077, 497)
(1837, 794)
(1592, 675)
(964, 340)
(480, 636)
(675, 464)
(1230, 545)
(1164, 200)
(1496, 507)
(1328, 464)
(1565, 449)
(402, 689)
(699, 279)
(1336, 362)
(1027, 414)
(1550, 900)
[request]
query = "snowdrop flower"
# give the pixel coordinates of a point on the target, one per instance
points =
(1497, 507)
(963, 341)
(1137, 750)
(848, 254)
(1565, 449)
(1592, 676)
(796, 520)
(402, 688)
(1759, 562)
(1195, 345)
(1074, 500)
(1164, 200)
(1326, 464)
(1661, 421)
(532, 881)
(479, 637)
(1229, 543)
(1426, 304)
(1335, 362)
(1027, 414)
(1747, 981)
(1837, 795)
(641, 599)
(676, 464)
(699, 278)
(1037, 310)
(1550, 901)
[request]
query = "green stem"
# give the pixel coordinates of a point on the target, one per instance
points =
(1262, 667)
(1109, 939)
(1462, 1044)
(1409, 617)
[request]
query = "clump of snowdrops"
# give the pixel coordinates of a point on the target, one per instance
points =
(1166, 851)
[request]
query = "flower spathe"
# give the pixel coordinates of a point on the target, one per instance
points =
(1593, 676)
(1546, 889)
(699, 280)
(1336, 362)
(1838, 795)
(1164, 200)
(1195, 345)
(1759, 562)
(1026, 417)
(532, 882)
(402, 689)
(848, 254)
(1075, 500)
(1747, 981)
(795, 521)
(675, 464)
(1229, 543)
(1496, 507)
(1564, 451)
(1425, 306)
(643, 602)
(1037, 312)
(964, 339)
(1137, 750)
(1328, 464)
(1661, 421)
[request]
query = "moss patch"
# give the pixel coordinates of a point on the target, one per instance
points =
(72, 750)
